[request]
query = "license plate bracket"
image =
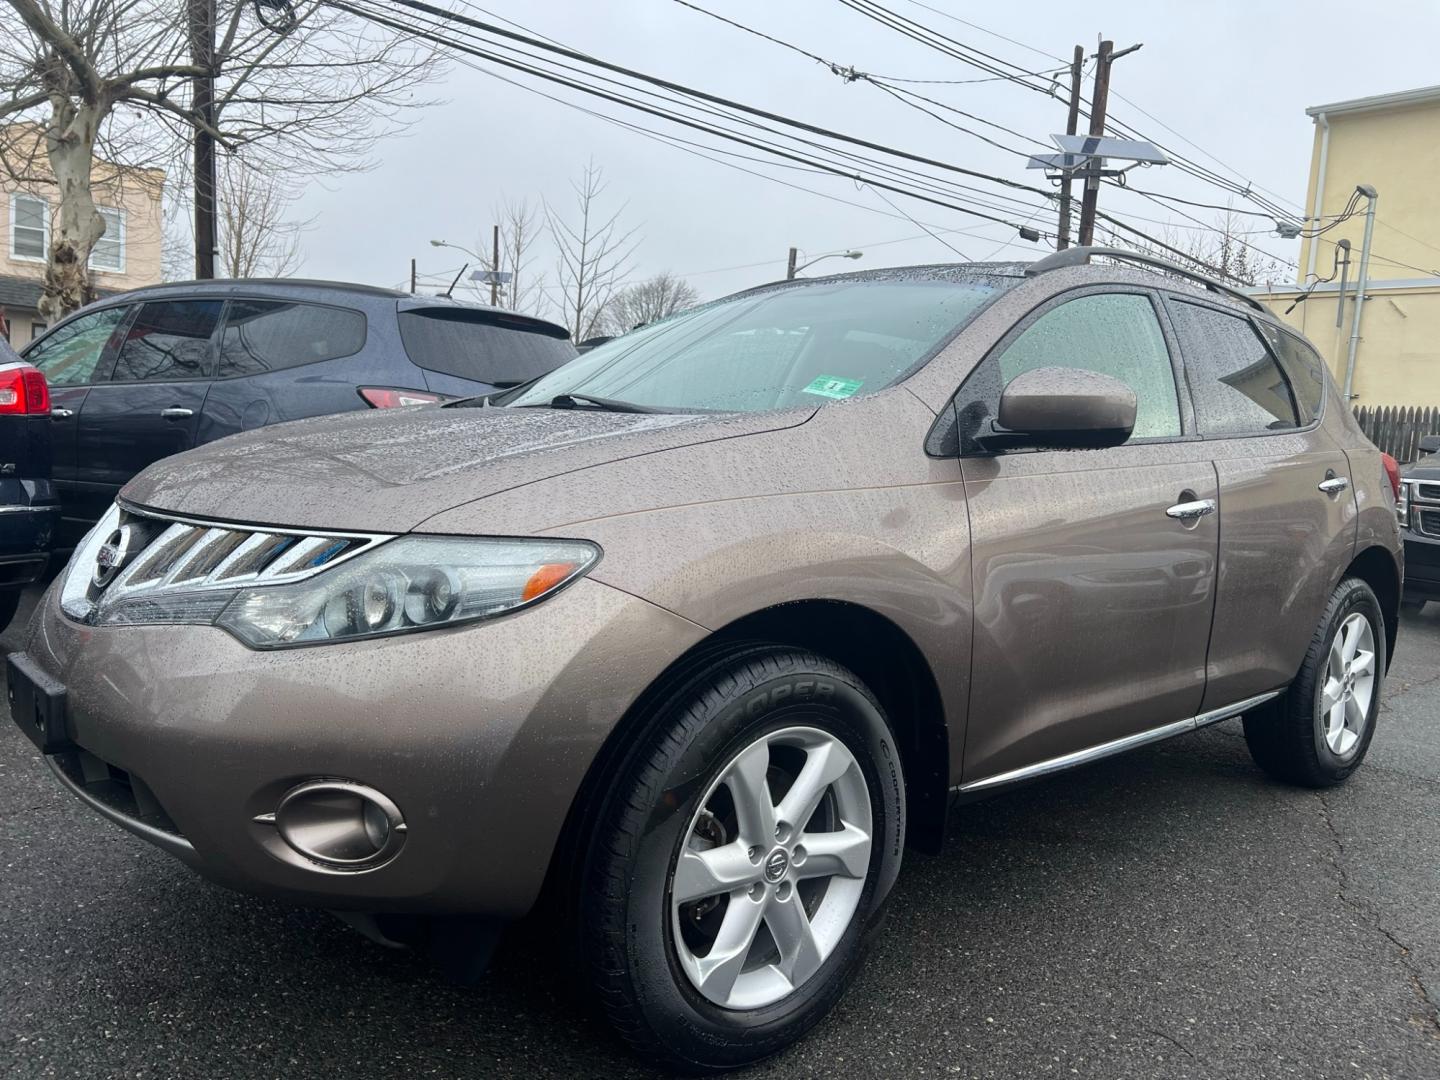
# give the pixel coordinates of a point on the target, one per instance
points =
(37, 704)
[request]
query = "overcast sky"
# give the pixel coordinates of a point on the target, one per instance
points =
(1232, 78)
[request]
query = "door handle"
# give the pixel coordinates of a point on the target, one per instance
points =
(61, 414)
(1334, 485)
(1190, 511)
(177, 412)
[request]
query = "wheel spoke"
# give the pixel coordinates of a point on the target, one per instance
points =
(1354, 715)
(1335, 664)
(709, 873)
(1335, 723)
(1331, 695)
(823, 766)
(790, 927)
(754, 809)
(845, 853)
(1350, 639)
(721, 966)
(1363, 662)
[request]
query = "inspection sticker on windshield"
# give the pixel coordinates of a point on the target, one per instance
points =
(831, 387)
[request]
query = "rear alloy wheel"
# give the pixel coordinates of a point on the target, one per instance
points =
(742, 852)
(1317, 732)
(1349, 685)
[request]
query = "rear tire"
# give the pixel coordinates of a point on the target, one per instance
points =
(712, 946)
(1317, 733)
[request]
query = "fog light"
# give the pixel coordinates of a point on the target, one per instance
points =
(339, 824)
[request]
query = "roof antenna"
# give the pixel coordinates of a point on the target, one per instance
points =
(451, 289)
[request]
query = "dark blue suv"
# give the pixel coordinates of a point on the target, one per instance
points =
(156, 371)
(29, 510)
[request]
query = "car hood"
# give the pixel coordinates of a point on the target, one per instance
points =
(389, 470)
(1427, 468)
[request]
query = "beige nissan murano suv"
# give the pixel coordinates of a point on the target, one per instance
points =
(702, 630)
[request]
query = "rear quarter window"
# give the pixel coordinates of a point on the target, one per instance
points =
(481, 348)
(1305, 369)
(1235, 383)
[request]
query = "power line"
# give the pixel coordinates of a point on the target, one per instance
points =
(903, 187)
(948, 45)
(826, 166)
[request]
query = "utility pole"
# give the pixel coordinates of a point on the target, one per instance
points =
(790, 266)
(495, 266)
(1077, 65)
(202, 54)
(412, 277)
(1360, 285)
(1097, 127)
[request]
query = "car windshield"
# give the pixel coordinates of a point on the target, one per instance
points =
(773, 348)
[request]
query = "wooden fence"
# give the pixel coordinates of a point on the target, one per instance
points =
(1396, 429)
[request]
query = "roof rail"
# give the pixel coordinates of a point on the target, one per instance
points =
(1080, 256)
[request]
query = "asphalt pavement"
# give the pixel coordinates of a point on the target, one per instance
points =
(1167, 914)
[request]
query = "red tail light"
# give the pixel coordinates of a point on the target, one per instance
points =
(390, 397)
(1392, 472)
(23, 391)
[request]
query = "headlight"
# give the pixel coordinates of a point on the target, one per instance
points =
(412, 583)
(1402, 504)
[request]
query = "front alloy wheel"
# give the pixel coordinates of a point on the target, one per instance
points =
(771, 872)
(743, 846)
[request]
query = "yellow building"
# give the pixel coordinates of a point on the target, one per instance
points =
(126, 257)
(1390, 142)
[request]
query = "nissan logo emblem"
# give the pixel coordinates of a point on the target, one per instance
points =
(776, 865)
(112, 556)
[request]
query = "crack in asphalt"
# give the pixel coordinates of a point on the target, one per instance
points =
(1406, 687)
(1431, 1021)
(1177, 1044)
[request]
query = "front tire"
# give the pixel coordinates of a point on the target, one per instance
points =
(1317, 732)
(749, 841)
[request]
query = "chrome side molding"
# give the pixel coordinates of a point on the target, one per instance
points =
(1115, 746)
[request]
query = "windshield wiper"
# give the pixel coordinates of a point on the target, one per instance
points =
(581, 401)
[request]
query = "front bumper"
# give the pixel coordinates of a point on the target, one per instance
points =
(1422, 566)
(481, 735)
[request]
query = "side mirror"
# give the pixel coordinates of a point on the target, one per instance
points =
(1429, 444)
(1063, 409)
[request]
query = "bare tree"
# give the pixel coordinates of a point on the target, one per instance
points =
(1219, 250)
(592, 252)
(256, 238)
(520, 229)
(114, 78)
(644, 302)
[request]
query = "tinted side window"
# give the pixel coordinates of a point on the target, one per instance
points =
(1303, 367)
(1115, 334)
(169, 340)
(75, 354)
(270, 335)
(1237, 387)
(460, 344)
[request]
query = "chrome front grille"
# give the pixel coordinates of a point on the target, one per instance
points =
(1422, 507)
(136, 559)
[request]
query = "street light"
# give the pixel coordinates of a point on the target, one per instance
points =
(819, 258)
(457, 247)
